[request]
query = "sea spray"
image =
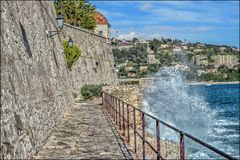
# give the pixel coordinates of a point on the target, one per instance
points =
(167, 98)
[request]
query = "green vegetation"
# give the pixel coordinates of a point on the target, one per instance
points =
(224, 74)
(202, 59)
(90, 91)
(77, 12)
(136, 54)
(71, 53)
(129, 83)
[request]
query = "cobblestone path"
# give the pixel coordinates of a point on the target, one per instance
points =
(85, 133)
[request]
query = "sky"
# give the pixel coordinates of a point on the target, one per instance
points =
(213, 22)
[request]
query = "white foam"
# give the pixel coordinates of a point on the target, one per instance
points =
(224, 122)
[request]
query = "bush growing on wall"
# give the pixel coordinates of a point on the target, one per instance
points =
(71, 53)
(79, 13)
(90, 91)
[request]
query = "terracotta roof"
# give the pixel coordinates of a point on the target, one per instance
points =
(101, 19)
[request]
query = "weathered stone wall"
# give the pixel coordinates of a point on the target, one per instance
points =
(37, 88)
(96, 64)
(128, 93)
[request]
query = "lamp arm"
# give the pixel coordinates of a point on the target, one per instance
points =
(52, 33)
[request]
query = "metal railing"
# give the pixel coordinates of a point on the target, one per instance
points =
(119, 111)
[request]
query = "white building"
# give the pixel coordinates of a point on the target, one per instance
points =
(177, 49)
(102, 25)
(152, 59)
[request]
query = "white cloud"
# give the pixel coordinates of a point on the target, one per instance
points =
(202, 28)
(128, 36)
(145, 6)
(181, 11)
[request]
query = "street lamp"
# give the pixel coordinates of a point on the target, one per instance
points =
(59, 20)
(70, 42)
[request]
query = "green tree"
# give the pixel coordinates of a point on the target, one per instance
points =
(78, 13)
(155, 44)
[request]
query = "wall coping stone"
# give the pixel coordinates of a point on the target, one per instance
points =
(84, 30)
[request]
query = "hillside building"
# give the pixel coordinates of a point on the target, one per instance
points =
(102, 25)
(152, 59)
(227, 60)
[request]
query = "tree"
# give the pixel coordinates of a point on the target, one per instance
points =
(155, 44)
(78, 13)
(223, 69)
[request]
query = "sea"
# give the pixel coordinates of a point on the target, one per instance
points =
(224, 100)
(209, 112)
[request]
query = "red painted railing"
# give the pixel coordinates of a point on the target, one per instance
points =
(119, 111)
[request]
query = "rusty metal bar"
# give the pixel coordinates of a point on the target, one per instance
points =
(123, 119)
(143, 136)
(119, 105)
(128, 124)
(116, 111)
(134, 128)
(158, 140)
(105, 101)
(182, 150)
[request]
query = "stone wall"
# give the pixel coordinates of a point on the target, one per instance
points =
(34, 80)
(37, 88)
(96, 64)
(128, 93)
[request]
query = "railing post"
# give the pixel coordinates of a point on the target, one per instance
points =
(103, 98)
(116, 111)
(123, 118)
(112, 108)
(110, 103)
(182, 150)
(128, 123)
(134, 127)
(119, 105)
(143, 136)
(158, 140)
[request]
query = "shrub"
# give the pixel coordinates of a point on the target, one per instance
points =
(79, 13)
(90, 91)
(129, 83)
(71, 53)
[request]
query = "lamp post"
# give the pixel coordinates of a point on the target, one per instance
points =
(59, 21)
(70, 42)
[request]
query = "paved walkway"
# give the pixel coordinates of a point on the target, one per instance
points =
(85, 133)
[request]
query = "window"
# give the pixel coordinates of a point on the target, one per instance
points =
(100, 33)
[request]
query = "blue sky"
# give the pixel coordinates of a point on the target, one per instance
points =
(214, 22)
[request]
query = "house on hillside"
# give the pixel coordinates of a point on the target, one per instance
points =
(102, 25)
(201, 60)
(177, 49)
(227, 60)
(141, 41)
(152, 59)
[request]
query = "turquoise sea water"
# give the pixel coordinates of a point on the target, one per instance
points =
(208, 112)
(224, 100)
